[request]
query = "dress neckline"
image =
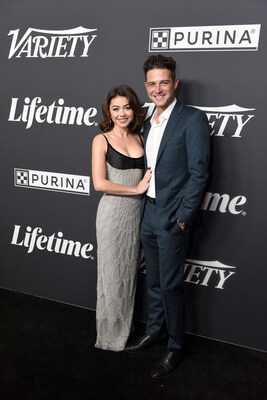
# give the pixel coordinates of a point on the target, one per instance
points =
(124, 155)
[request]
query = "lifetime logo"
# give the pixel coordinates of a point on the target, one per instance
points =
(52, 181)
(39, 43)
(223, 203)
(223, 121)
(205, 38)
(56, 113)
(33, 238)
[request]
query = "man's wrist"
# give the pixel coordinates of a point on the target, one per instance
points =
(180, 222)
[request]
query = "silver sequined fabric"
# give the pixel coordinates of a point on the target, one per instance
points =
(117, 230)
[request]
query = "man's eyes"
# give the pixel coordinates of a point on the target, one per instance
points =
(161, 83)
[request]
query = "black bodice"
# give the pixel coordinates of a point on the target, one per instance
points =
(121, 161)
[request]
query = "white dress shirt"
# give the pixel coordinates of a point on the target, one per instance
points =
(153, 142)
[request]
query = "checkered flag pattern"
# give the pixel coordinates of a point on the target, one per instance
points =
(160, 39)
(21, 177)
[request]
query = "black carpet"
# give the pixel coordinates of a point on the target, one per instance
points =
(47, 352)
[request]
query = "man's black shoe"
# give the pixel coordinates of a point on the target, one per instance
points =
(168, 363)
(143, 342)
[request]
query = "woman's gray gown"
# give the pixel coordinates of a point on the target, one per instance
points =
(117, 232)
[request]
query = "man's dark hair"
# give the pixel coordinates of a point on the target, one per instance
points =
(160, 62)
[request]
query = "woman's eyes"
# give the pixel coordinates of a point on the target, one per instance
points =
(125, 108)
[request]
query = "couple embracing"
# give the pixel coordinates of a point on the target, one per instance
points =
(173, 150)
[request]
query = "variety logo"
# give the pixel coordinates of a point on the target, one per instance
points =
(223, 203)
(203, 273)
(224, 121)
(205, 38)
(207, 273)
(51, 43)
(56, 113)
(52, 181)
(34, 239)
(229, 119)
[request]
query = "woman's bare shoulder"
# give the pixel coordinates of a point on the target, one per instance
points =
(100, 138)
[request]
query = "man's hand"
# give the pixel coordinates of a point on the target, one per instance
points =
(181, 224)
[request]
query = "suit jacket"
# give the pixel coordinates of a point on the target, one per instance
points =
(182, 166)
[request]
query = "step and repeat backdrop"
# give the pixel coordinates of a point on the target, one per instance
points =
(58, 59)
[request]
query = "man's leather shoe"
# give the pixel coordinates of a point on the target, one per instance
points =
(168, 363)
(143, 342)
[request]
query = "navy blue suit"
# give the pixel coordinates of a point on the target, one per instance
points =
(181, 175)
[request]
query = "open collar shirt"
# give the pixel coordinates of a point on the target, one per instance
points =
(153, 142)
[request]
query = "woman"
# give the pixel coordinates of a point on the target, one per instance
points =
(117, 170)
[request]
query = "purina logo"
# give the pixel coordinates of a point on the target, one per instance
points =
(52, 181)
(224, 121)
(205, 38)
(39, 43)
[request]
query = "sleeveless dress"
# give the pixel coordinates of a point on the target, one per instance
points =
(118, 250)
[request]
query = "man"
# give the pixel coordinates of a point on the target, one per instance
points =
(176, 140)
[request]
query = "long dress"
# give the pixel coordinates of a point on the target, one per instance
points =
(117, 233)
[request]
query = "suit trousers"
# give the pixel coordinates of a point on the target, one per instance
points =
(164, 253)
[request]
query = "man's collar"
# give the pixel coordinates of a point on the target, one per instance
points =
(166, 113)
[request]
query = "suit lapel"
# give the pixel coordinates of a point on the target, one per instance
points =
(171, 124)
(147, 126)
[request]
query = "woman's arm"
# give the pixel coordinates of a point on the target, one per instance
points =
(100, 181)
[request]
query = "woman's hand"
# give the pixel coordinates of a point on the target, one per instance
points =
(145, 182)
